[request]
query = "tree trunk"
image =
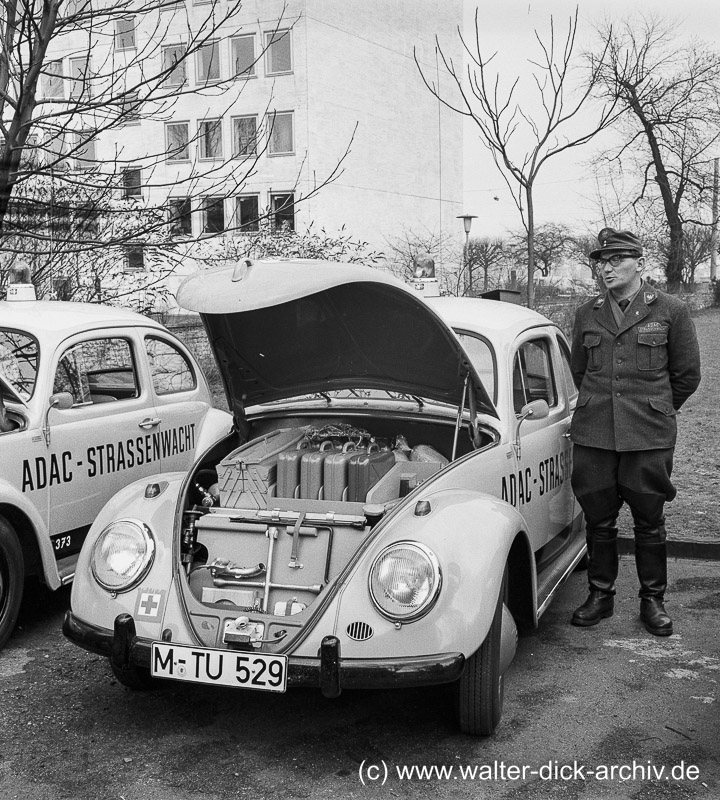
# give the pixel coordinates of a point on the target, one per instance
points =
(676, 257)
(530, 246)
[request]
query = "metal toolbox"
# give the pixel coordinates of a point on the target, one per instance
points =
(248, 476)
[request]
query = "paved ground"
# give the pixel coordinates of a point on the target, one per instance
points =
(601, 706)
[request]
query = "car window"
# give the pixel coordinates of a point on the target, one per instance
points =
(97, 371)
(567, 372)
(171, 371)
(483, 359)
(533, 377)
(19, 355)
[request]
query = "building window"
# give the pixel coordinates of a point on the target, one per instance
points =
(208, 63)
(134, 259)
(213, 214)
(125, 33)
(173, 65)
(180, 216)
(283, 211)
(242, 52)
(177, 141)
(84, 152)
(80, 74)
(280, 126)
(132, 183)
(210, 138)
(52, 80)
(248, 213)
(245, 136)
(278, 52)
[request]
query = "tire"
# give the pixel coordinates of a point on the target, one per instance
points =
(481, 688)
(135, 678)
(12, 580)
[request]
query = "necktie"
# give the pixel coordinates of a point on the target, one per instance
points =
(623, 305)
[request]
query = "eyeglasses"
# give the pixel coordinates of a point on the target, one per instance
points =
(616, 259)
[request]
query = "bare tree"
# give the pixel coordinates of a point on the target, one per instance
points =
(697, 249)
(672, 125)
(550, 244)
(75, 75)
(520, 142)
(489, 255)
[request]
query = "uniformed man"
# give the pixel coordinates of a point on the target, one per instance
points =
(635, 361)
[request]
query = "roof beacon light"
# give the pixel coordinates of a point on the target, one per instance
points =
(424, 281)
(20, 286)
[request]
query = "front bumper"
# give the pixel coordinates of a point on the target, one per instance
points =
(329, 672)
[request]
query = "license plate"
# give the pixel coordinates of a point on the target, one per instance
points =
(219, 667)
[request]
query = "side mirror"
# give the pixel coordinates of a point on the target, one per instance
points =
(537, 409)
(60, 400)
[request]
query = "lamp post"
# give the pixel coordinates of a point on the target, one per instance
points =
(467, 224)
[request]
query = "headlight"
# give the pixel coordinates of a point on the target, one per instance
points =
(122, 555)
(405, 581)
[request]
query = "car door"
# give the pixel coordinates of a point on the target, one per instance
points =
(541, 488)
(105, 440)
(180, 397)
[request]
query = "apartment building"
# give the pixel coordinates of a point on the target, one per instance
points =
(282, 98)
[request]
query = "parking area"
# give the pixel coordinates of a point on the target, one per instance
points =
(601, 712)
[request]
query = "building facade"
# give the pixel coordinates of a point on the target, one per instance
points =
(313, 111)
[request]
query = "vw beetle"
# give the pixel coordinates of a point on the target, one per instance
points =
(394, 499)
(91, 399)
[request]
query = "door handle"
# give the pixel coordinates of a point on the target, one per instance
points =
(149, 422)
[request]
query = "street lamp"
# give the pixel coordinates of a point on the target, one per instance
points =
(467, 224)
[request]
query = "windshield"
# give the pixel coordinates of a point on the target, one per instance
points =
(19, 354)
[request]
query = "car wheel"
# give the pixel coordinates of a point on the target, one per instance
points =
(133, 677)
(481, 687)
(12, 580)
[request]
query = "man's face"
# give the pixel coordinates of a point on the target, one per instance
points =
(621, 272)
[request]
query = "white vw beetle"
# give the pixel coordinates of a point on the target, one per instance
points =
(91, 399)
(396, 496)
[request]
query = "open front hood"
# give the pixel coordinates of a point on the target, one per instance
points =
(286, 328)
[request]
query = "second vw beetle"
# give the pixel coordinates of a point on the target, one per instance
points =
(395, 498)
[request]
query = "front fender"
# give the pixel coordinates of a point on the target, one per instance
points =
(471, 533)
(88, 600)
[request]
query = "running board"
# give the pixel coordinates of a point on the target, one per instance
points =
(549, 581)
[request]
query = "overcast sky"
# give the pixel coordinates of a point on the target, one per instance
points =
(563, 191)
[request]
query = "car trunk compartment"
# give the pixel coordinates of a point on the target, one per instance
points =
(254, 552)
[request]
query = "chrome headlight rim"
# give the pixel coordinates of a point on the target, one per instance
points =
(427, 605)
(145, 563)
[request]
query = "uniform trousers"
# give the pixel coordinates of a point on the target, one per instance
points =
(602, 480)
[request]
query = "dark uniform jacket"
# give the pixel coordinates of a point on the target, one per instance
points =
(633, 379)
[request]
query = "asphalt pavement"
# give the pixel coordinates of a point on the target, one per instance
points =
(602, 712)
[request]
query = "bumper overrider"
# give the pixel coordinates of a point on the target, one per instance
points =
(329, 672)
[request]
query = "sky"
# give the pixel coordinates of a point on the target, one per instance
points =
(564, 189)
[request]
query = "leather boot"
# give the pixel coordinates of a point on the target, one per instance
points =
(651, 563)
(602, 572)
